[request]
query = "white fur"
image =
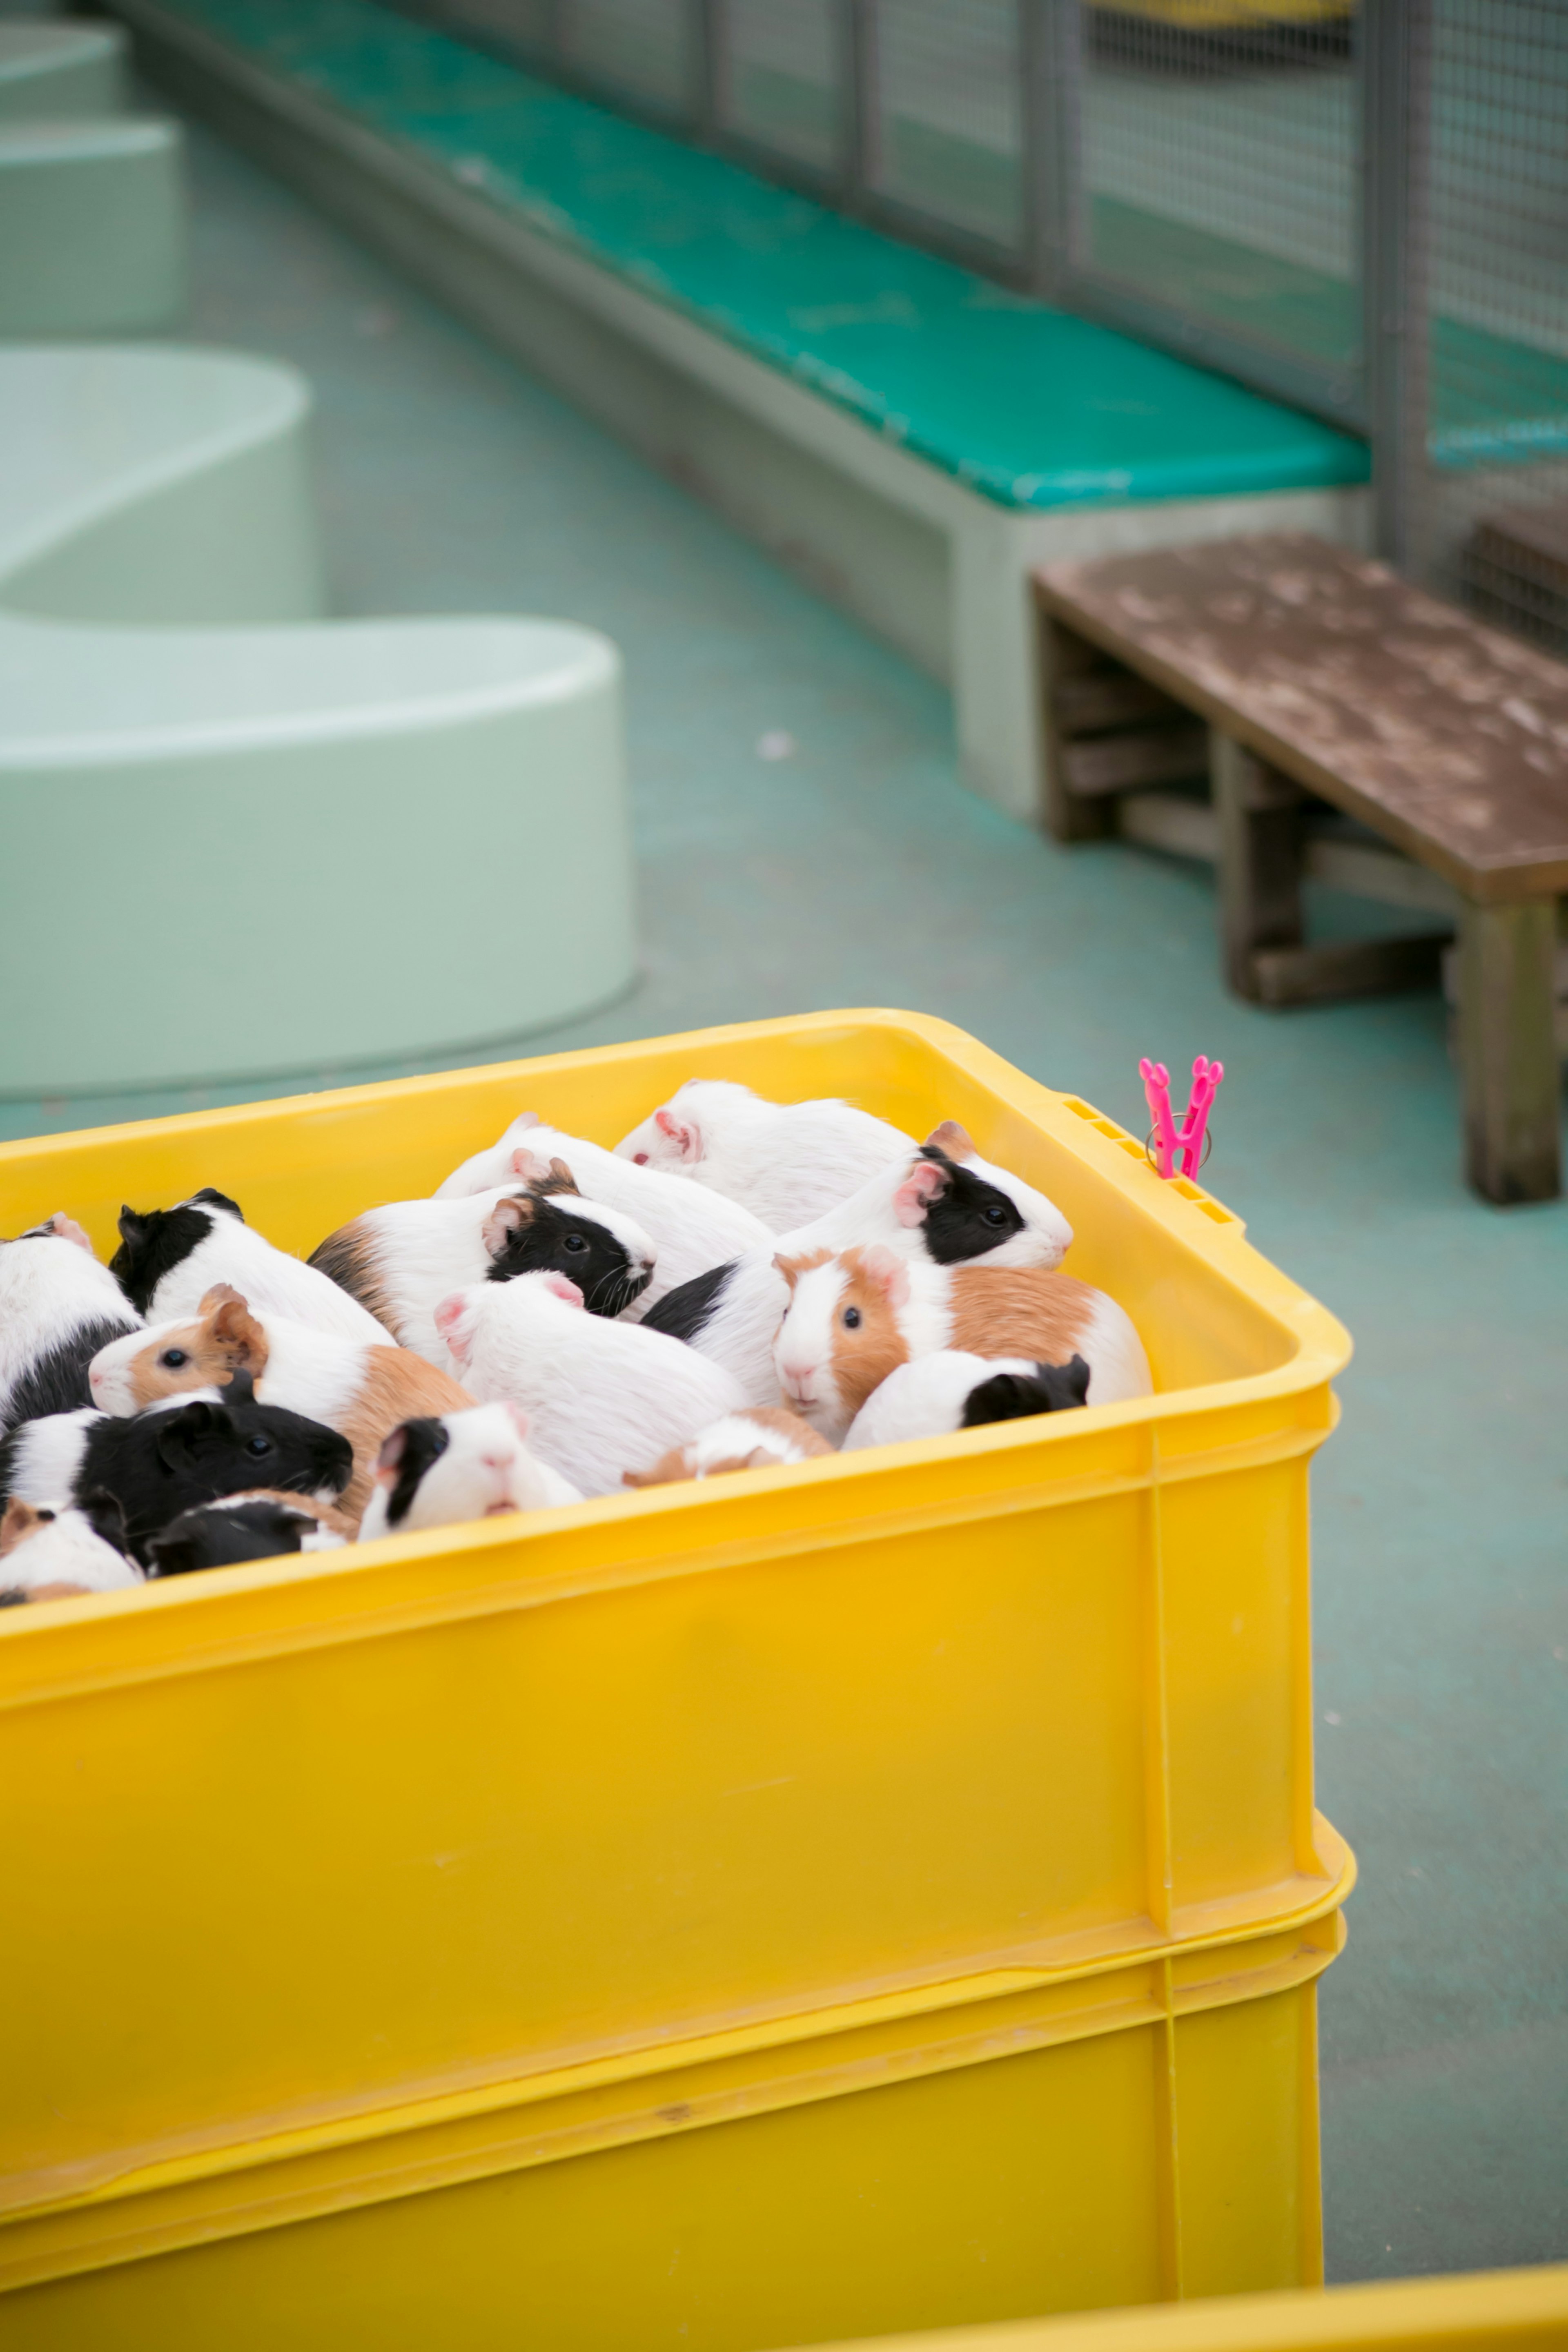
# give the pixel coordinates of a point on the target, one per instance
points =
(735, 1436)
(1118, 1366)
(692, 1229)
(273, 1282)
(487, 1469)
(787, 1162)
(601, 1398)
(68, 1550)
(925, 1397)
(50, 1286)
(317, 1373)
(48, 1455)
(425, 1249)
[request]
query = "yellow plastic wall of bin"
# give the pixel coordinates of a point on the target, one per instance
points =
(305, 1843)
(1139, 2131)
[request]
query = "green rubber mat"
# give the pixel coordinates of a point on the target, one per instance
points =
(1027, 405)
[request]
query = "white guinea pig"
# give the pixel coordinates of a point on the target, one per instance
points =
(787, 1162)
(763, 1437)
(601, 1398)
(53, 1551)
(932, 1396)
(442, 1469)
(57, 1307)
(855, 1317)
(692, 1229)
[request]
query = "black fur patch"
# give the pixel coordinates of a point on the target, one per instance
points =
(690, 1307)
(1017, 1396)
(968, 1216)
(14, 1597)
(214, 1536)
(557, 1238)
(56, 1382)
(425, 1441)
(153, 1243)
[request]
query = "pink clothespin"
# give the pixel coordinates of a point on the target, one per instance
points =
(1207, 1077)
(1156, 1081)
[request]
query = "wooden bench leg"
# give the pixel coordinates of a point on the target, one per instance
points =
(1064, 658)
(1508, 1050)
(1261, 854)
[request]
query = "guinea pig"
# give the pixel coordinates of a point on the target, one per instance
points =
(363, 1392)
(235, 1529)
(599, 1396)
(442, 1469)
(57, 1307)
(930, 1396)
(692, 1229)
(52, 1554)
(168, 1260)
(169, 1459)
(944, 1205)
(853, 1319)
(400, 1259)
(787, 1162)
(763, 1437)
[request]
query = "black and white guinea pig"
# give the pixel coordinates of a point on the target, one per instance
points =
(932, 1396)
(169, 1259)
(168, 1460)
(57, 1307)
(442, 1469)
(787, 1162)
(237, 1528)
(943, 1206)
(48, 1555)
(401, 1260)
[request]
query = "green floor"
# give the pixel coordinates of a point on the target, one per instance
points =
(859, 871)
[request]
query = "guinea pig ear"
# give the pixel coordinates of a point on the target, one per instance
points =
(519, 1418)
(684, 1133)
(925, 1183)
(105, 1515)
(951, 1138)
(559, 1287)
(216, 1296)
(531, 1166)
(507, 1218)
(237, 1331)
(178, 1432)
(69, 1231)
(132, 1226)
(448, 1319)
(394, 1445)
(889, 1271)
(561, 1177)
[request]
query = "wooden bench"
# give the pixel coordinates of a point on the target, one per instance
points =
(1292, 675)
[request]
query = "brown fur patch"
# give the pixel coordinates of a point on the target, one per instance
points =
(668, 1471)
(398, 1386)
(1020, 1312)
(23, 1594)
(951, 1138)
(863, 1359)
(348, 1258)
(792, 1269)
(228, 1339)
(788, 1424)
(20, 1521)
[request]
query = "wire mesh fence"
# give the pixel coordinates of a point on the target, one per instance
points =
(947, 133)
(783, 88)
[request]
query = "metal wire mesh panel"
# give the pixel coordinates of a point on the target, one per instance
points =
(643, 49)
(946, 108)
(781, 84)
(523, 26)
(1489, 515)
(1219, 142)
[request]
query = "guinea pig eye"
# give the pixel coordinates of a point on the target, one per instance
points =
(575, 1241)
(173, 1358)
(258, 1445)
(852, 1318)
(996, 1215)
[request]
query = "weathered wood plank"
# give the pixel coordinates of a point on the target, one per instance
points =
(1064, 658)
(1315, 975)
(1091, 705)
(1507, 1052)
(1115, 763)
(1261, 829)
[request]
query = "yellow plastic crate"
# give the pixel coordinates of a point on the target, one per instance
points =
(303, 1845)
(1138, 2131)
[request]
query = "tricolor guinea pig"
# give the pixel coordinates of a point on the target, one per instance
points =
(360, 1391)
(599, 1396)
(944, 1204)
(442, 1469)
(235, 1529)
(855, 1318)
(763, 1437)
(398, 1260)
(49, 1554)
(932, 1396)
(168, 1260)
(171, 1458)
(692, 1229)
(57, 1307)
(787, 1162)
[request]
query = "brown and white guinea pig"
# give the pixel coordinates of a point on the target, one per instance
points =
(932, 1396)
(855, 1318)
(360, 1391)
(54, 1553)
(787, 1162)
(442, 1469)
(238, 1527)
(168, 1260)
(57, 1307)
(944, 1205)
(400, 1260)
(763, 1437)
(691, 1228)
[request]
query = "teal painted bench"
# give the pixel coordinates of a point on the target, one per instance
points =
(912, 437)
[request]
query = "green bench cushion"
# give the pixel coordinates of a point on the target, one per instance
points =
(1027, 406)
